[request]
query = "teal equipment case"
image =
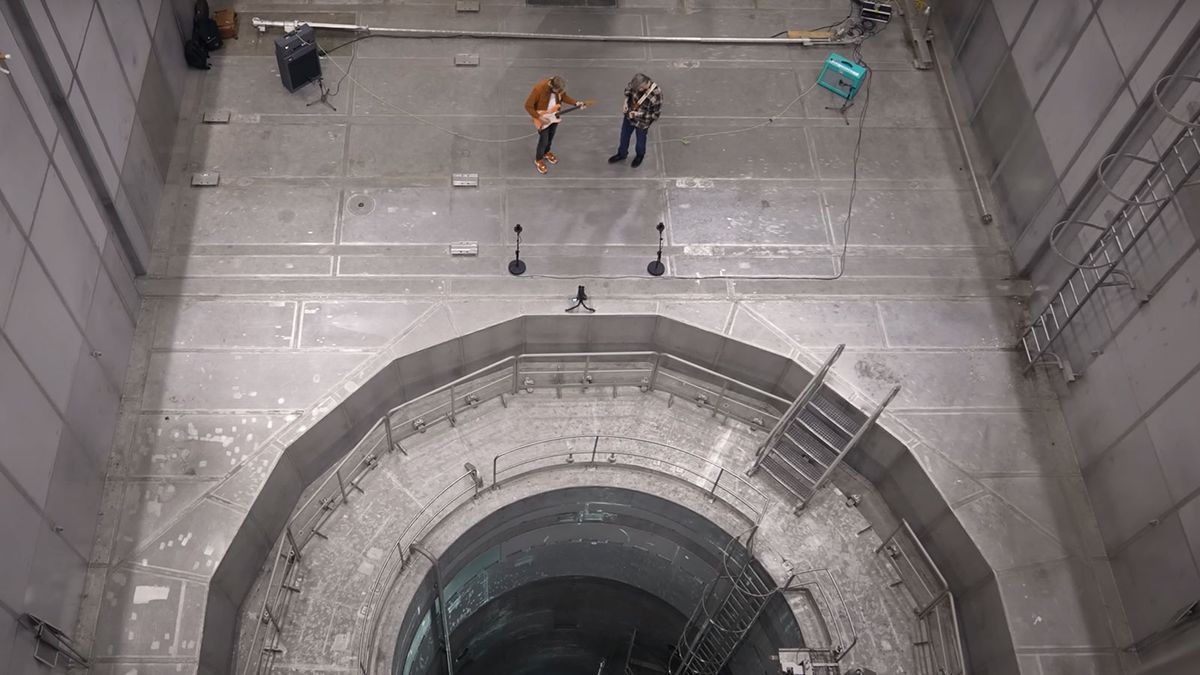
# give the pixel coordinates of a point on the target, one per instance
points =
(842, 76)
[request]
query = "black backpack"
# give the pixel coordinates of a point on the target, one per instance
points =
(195, 54)
(204, 29)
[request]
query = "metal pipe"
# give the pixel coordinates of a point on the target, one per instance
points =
(984, 214)
(445, 623)
(263, 24)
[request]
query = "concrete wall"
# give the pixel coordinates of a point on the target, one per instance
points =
(1048, 87)
(1053, 86)
(108, 74)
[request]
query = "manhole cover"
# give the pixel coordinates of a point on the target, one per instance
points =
(360, 205)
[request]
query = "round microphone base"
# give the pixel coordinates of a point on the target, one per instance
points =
(516, 267)
(656, 268)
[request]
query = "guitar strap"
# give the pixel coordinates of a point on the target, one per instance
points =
(646, 94)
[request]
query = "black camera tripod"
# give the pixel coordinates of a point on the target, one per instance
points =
(580, 299)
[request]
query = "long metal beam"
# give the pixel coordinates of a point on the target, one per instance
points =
(263, 24)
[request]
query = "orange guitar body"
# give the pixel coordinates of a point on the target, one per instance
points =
(555, 113)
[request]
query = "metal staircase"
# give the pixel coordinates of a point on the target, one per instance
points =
(728, 609)
(1102, 264)
(811, 438)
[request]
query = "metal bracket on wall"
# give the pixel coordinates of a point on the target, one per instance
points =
(916, 15)
(54, 648)
(217, 117)
(464, 180)
(206, 179)
(466, 5)
(466, 59)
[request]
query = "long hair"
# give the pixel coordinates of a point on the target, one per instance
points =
(557, 84)
(640, 80)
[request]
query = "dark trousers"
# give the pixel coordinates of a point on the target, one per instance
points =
(545, 138)
(627, 130)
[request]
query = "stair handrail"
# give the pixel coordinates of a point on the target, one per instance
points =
(854, 440)
(806, 395)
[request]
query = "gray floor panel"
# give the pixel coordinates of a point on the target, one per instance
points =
(290, 150)
(910, 217)
(888, 153)
(728, 92)
(758, 213)
(411, 150)
(587, 216)
(768, 152)
(424, 215)
(252, 86)
(467, 91)
(260, 214)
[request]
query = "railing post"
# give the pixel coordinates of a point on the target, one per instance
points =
(387, 427)
(716, 481)
(269, 617)
(862, 431)
(720, 398)
(595, 444)
(785, 419)
(443, 620)
(341, 486)
(654, 371)
(476, 480)
(292, 540)
(516, 374)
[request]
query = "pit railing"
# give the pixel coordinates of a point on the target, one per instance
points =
(680, 379)
(937, 646)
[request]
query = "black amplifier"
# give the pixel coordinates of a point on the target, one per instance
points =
(296, 54)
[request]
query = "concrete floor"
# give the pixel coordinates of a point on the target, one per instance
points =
(270, 292)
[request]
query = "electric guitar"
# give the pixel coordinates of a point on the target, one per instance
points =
(554, 114)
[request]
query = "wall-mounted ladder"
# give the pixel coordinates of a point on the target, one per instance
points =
(1102, 264)
(727, 610)
(811, 438)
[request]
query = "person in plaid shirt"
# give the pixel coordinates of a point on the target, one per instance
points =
(643, 105)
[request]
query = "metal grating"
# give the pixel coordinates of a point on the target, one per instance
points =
(812, 438)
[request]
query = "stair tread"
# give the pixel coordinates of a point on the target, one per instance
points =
(786, 477)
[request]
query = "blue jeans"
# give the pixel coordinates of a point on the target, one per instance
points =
(627, 130)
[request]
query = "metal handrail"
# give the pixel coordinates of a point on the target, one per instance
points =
(675, 376)
(847, 635)
(329, 494)
(929, 612)
(752, 513)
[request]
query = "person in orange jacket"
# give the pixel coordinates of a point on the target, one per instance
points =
(546, 99)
